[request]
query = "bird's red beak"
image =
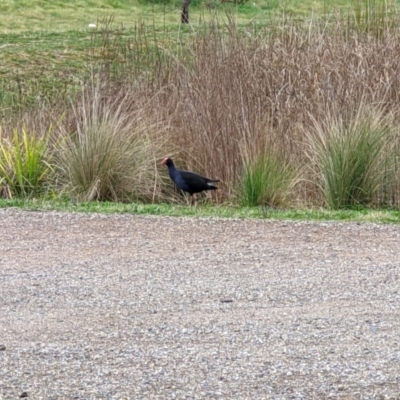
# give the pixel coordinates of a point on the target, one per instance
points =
(163, 162)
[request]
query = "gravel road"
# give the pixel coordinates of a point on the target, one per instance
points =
(125, 307)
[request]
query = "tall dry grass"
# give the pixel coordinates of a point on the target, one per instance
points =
(241, 90)
(223, 92)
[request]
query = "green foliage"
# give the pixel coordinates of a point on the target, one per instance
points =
(354, 159)
(23, 164)
(267, 180)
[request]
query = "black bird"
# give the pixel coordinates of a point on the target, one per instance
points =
(187, 181)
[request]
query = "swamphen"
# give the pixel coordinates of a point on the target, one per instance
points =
(189, 181)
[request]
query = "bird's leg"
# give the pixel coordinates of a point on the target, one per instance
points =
(193, 200)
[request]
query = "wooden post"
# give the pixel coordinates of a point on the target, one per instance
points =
(185, 12)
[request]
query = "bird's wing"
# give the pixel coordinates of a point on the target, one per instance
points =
(192, 178)
(197, 183)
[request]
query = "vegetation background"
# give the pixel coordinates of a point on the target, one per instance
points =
(290, 104)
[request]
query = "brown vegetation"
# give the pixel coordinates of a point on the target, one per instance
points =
(227, 94)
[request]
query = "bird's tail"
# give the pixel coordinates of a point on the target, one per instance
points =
(212, 181)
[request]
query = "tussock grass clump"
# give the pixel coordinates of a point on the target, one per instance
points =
(353, 158)
(267, 180)
(112, 152)
(24, 163)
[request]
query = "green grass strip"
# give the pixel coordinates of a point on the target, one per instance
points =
(362, 215)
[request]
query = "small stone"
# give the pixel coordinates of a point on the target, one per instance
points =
(23, 394)
(2, 347)
(226, 301)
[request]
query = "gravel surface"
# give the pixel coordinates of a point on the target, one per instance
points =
(123, 307)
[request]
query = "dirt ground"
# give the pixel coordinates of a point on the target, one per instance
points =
(125, 307)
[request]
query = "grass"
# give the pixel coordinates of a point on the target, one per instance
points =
(23, 163)
(27, 16)
(47, 44)
(267, 180)
(223, 86)
(355, 158)
(60, 16)
(221, 211)
(111, 152)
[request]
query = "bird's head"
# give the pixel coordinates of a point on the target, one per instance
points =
(167, 161)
